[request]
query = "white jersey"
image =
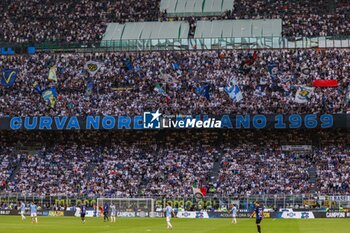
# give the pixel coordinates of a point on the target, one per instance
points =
(234, 211)
(23, 208)
(168, 211)
(33, 210)
(113, 211)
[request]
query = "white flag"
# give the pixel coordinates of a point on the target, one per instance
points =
(92, 67)
(52, 74)
(234, 91)
(303, 94)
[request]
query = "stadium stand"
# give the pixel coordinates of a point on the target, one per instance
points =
(56, 172)
(69, 21)
(195, 7)
(86, 21)
(168, 164)
(125, 84)
(332, 165)
(282, 173)
(300, 18)
(8, 161)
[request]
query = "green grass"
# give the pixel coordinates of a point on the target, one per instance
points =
(143, 225)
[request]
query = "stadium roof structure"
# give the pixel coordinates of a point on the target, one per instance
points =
(238, 28)
(195, 7)
(146, 33)
(147, 30)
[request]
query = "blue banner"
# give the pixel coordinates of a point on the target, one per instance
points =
(294, 121)
(8, 77)
(204, 91)
(273, 70)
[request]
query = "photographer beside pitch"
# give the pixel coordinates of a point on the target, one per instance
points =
(259, 215)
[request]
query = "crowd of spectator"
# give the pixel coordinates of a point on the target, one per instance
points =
(263, 167)
(120, 170)
(81, 21)
(60, 170)
(249, 169)
(299, 18)
(180, 164)
(118, 90)
(85, 21)
(8, 162)
(133, 83)
(128, 171)
(169, 165)
(333, 169)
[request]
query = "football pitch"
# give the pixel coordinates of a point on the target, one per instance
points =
(142, 225)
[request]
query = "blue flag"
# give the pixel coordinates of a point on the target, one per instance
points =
(347, 95)
(37, 87)
(160, 90)
(128, 64)
(204, 91)
(273, 70)
(175, 66)
(89, 86)
(50, 96)
(8, 77)
(234, 91)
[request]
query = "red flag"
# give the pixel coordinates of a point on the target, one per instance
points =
(204, 191)
(252, 60)
(325, 83)
(255, 55)
(167, 99)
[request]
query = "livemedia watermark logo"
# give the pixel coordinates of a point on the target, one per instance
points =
(155, 120)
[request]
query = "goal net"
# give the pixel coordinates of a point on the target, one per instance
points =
(128, 207)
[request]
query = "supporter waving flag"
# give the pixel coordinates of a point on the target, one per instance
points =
(52, 74)
(234, 91)
(8, 77)
(199, 193)
(175, 66)
(160, 90)
(92, 67)
(37, 87)
(89, 86)
(204, 90)
(303, 94)
(325, 83)
(305, 70)
(50, 96)
(347, 96)
(247, 63)
(168, 78)
(273, 70)
(128, 65)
